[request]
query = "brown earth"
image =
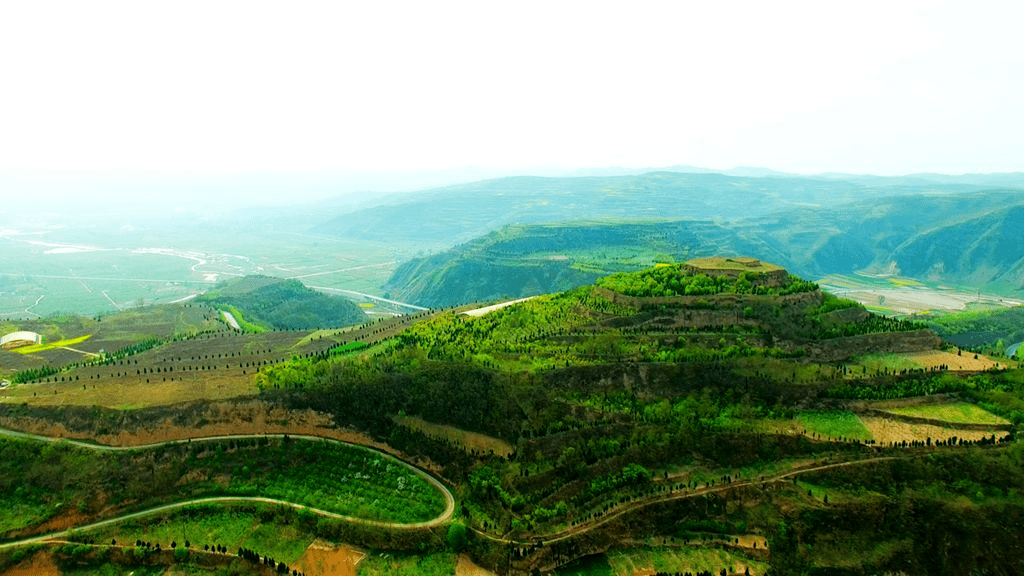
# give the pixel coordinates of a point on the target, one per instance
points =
(323, 559)
(466, 567)
(40, 564)
(887, 431)
(753, 541)
(68, 518)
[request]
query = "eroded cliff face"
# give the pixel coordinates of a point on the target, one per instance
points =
(838, 349)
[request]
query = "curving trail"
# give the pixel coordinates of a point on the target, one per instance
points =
(441, 519)
(445, 516)
(671, 496)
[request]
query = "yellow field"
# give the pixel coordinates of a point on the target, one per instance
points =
(884, 431)
(51, 345)
(904, 282)
(928, 359)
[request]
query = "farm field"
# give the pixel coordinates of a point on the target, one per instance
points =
(887, 431)
(957, 412)
(834, 425)
(211, 366)
(905, 297)
(928, 360)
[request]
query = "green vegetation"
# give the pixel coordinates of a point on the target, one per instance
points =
(347, 347)
(988, 331)
(676, 427)
(683, 559)
(587, 566)
(262, 302)
(245, 324)
(407, 565)
(834, 424)
(960, 412)
(335, 477)
(212, 526)
(678, 281)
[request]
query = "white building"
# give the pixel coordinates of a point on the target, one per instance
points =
(19, 339)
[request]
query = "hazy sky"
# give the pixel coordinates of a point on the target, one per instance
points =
(207, 87)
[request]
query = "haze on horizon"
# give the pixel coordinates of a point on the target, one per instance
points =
(103, 96)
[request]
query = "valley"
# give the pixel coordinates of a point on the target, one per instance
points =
(582, 385)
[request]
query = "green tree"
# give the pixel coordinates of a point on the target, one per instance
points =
(457, 537)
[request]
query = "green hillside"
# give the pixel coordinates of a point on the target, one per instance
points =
(518, 261)
(700, 416)
(990, 330)
(264, 302)
(684, 422)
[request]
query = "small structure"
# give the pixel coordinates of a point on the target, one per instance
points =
(19, 339)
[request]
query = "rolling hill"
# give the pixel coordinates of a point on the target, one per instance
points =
(276, 304)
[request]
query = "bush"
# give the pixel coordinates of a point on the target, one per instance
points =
(180, 554)
(457, 537)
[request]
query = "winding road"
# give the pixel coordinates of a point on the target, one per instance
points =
(443, 518)
(682, 494)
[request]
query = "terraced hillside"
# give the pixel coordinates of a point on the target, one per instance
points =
(673, 419)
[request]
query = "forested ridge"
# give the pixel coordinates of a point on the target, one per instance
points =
(610, 406)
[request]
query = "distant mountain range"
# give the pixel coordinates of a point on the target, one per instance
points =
(526, 235)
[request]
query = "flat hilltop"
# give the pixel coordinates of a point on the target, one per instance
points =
(712, 264)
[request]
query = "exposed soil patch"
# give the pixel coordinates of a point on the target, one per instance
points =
(466, 567)
(324, 559)
(66, 519)
(886, 431)
(40, 564)
(752, 541)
